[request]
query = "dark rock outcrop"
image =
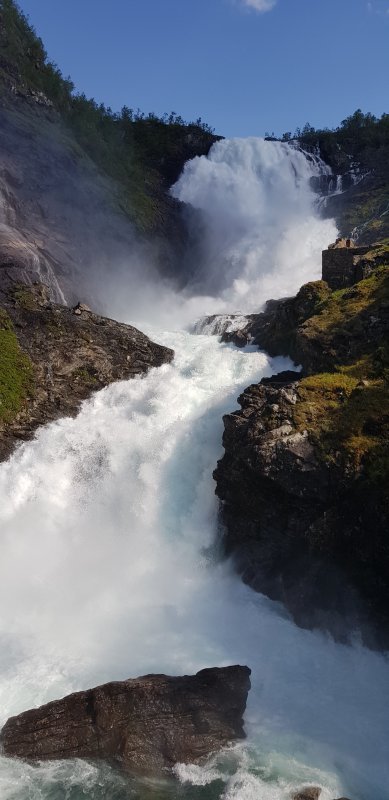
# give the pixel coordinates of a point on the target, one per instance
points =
(278, 329)
(304, 478)
(277, 495)
(318, 328)
(147, 724)
(344, 266)
(310, 793)
(72, 352)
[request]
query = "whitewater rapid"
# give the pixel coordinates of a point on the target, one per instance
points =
(110, 546)
(111, 568)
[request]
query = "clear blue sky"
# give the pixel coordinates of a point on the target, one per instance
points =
(242, 69)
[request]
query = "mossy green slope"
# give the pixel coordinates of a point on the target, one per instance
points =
(16, 372)
(346, 410)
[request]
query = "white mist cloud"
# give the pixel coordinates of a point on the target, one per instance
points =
(259, 5)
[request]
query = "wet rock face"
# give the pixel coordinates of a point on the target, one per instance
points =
(73, 352)
(147, 724)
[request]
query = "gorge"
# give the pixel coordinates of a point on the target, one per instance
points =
(114, 544)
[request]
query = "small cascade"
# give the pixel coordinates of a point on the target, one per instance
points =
(217, 324)
(339, 184)
(336, 186)
(22, 256)
(359, 229)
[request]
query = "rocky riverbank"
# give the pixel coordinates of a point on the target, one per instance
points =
(304, 479)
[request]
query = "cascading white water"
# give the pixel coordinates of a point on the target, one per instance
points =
(110, 568)
(262, 236)
(258, 230)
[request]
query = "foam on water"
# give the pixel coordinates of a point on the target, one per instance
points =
(109, 570)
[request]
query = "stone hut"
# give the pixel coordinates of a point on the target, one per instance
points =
(343, 264)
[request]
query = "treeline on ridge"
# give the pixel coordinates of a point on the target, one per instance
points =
(362, 138)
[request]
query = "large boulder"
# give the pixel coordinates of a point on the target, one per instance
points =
(147, 724)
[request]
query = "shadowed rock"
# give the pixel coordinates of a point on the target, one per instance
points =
(307, 793)
(147, 724)
(276, 497)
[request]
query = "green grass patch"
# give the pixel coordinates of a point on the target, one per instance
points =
(341, 311)
(16, 372)
(346, 418)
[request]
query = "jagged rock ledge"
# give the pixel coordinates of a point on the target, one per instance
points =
(147, 724)
(53, 357)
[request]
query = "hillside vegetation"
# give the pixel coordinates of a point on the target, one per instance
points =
(342, 340)
(346, 408)
(16, 372)
(357, 149)
(144, 154)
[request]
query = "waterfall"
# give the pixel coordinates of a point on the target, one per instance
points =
(257, 219)
(110, 561)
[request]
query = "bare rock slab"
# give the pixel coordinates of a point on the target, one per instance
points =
(147, 724)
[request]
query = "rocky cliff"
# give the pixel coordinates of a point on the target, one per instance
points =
(53, 357)
(304, 479)
(84, 192)
(147, 724)
(66, 222)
